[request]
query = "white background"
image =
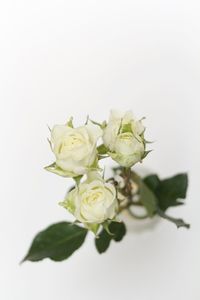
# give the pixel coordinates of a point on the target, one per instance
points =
(63, 58)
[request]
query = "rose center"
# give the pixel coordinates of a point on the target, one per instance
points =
(93, 198)
(71, 142)
(126, 137)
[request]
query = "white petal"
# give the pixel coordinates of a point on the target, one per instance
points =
(58, 131)
(115, 114)
(94, 131)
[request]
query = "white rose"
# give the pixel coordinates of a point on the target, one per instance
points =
(123, 136)
(74, 148)
(93, 201)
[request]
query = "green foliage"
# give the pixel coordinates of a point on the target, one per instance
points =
(117, 231)
(148, 199)
(61, 240)
(152, 181)
(57, 242)
(168, 191)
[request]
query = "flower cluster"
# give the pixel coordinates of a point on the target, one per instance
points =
(98, 203)
(78, 152)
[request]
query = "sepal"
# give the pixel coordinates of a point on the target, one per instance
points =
(53, 168)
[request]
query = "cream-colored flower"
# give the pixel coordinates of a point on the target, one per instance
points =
(123, 136)
(93, 201)
(75, 149)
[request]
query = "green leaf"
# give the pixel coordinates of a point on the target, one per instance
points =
(148, 199)
(168, 191)
(57, 242)
(102, 149)
(152, 181)
(171, 190)
(118, 231)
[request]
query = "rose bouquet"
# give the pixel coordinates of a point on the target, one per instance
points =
(97, 203)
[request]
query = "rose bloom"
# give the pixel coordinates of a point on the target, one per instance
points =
(123, 136)
(74, 148)
(93, 201)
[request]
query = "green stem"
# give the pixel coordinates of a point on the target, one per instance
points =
(177, 222)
